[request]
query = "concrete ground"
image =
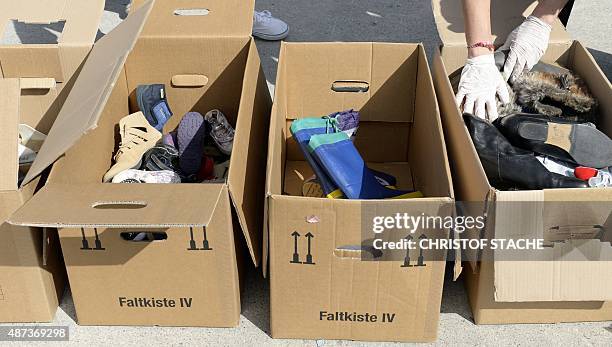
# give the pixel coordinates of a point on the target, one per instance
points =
(359, 20)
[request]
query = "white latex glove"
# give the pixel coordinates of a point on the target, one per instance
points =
(480, 82)
(527, 45)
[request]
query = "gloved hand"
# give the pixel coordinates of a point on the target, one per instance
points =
(527, 45)
(480, 82)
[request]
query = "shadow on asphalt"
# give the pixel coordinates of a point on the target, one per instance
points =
(454, 296)
(604, 60)
(255, 300)
(67, 305)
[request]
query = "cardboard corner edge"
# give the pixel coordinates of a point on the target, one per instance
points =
(10, 93)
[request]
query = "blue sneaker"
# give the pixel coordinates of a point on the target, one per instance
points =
(152, 102)
(343, 163)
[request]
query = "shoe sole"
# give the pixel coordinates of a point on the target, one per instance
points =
(106, 179)
(267, 37)
(585, 144)
(190, 155)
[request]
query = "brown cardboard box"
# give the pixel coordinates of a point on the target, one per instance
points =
(35, 79)
(191, 278)
(400, 132)
(549, 288)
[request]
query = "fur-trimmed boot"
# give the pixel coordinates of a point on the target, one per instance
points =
(547, 89)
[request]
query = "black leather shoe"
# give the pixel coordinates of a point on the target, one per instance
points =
(512, 166)
(579, 143)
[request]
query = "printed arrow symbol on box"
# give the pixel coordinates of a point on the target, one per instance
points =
(407, 257)
(295, 235)
(296, 255)
(309, 255)
(309, 236)
(421, 258)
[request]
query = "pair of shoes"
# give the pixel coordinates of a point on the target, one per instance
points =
(191, 134)
(137, 137)
(269, 28)
(152, 102)
(507, 165)
(575, 142)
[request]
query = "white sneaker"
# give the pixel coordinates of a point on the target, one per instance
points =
(269, 28)
(139, 176)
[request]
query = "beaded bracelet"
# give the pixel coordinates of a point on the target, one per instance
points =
(483, 44)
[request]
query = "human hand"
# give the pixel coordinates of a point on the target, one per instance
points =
(527, 45)
(480, 82)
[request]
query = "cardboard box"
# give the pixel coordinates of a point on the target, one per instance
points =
(547, 288)
(190, 278)
(400, 132)
(34, 81)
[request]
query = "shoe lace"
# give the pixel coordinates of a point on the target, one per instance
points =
(223, 133)
(134, 139)
(262, 16)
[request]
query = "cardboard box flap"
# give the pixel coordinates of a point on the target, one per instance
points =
(198, 18)
(323, 78)
(118, 205)
(47, 38)
(572, 270)
(248, 162)
(9, 124)
(91, 90)
(81, 17)
(505, 17)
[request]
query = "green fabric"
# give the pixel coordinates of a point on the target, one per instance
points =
(307, 123)
(326, 139)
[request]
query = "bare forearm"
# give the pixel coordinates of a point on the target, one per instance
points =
(477, 16)
(548, 10)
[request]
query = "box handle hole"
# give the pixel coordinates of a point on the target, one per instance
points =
(189, 12)
(357, 252)
(349, 86)
(119, 205)
(143, 236)
(189, 81)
